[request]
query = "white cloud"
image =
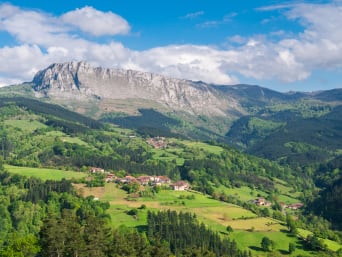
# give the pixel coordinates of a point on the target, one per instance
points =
(320, 45)
(186, 61)
(215, 23)
(96, 22)
(18, 63)
(43, 39)
(193, 15)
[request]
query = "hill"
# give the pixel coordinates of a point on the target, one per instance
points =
(301, 138)
(38, 134)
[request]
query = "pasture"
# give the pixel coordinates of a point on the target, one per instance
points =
(243, 193)
(213, 149)
(45, 174)
(25, 125)
(248, 228)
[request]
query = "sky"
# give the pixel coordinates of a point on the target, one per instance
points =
(281, 45)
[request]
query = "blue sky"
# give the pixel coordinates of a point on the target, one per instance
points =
(282, 45)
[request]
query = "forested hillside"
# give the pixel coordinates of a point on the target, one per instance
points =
(36, 134)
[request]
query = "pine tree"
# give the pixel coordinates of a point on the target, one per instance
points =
(97, 237)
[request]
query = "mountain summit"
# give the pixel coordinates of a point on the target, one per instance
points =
(82, 81)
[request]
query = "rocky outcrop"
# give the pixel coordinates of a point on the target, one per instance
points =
(79, 80)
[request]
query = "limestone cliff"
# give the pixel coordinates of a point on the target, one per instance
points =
(79, 80)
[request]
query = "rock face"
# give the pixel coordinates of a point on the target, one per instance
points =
(79, 80)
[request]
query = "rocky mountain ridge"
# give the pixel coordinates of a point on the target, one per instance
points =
(79, 80)
(118, 90)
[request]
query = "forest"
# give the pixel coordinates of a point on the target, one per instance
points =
(48, 218)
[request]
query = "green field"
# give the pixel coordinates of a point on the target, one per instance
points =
(204, 147)
(73, 140)
(286, 190)
(45, 174)
(177, 153)
(25, 125)
(168, 155)
(248, 228)
(332, 245)
(252, 241)
(243, 193)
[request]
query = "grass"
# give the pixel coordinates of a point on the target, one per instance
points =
(73, 140)
(167, 155)
(285, 190)
(248, 228)
(25, 125)
(206, 208)
(45, 174)
(287, 199)
(55, 134)
(331, 245)
(174, 152)
(65, 138)
(252, 241)
(303, 233)
(243, 193)
(120, 217)
(256, 224)
(203, 146)
(215, 213)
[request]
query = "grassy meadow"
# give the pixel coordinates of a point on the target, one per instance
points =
(175, 150)
(45, 174)
(248, 228)
(25, 125)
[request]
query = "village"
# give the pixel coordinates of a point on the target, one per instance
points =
(181, 185)
(261, 201)
(145, 180)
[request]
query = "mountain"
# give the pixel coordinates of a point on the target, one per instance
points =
(293, 126)
(78, 80)
(303, 140)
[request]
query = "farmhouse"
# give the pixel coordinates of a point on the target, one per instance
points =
(295, 206)
(157, 142)
(96, 170)
(261, 201)
(144, 180)
(161, 180)
(180, 185)
(110, 177)
(126, 179)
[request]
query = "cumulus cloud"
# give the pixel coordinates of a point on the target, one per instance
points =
(42, 39)
(20, 60)
(186, 61)
(320, 45)
(96, 22)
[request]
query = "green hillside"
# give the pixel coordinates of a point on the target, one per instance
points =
(46, 143)
(304, 140)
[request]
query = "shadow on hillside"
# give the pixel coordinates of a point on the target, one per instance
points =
(284, 252)
(288, 234)
(141, 228)
(256, 248)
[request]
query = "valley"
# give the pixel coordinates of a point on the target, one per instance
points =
(268, 165)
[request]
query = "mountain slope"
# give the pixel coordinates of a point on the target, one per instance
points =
(304, 140)
(81, 81)
(250, 117)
